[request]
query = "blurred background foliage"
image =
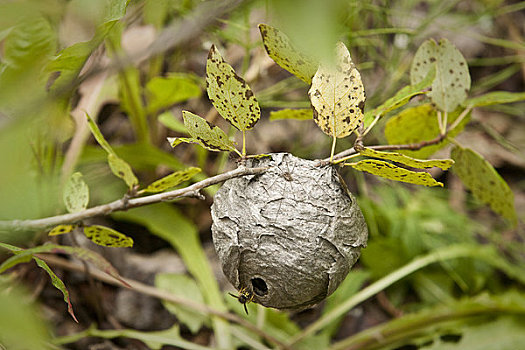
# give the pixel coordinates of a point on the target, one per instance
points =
(134, 65)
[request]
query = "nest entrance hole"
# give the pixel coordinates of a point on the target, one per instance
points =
(259, 286)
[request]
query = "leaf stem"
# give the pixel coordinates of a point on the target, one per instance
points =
(333, 149)
(371, 125)
(243, 143)
(445, 121)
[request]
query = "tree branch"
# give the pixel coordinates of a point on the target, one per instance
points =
(125, 203)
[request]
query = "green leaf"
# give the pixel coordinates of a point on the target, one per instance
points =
(121, 168)
(484, 182)
(443, 164)
(417, 124)
(337, 95)
(186, 287)
(282, 51)
(61, 230)
(401, 98)
(156, 12)
(58, 284)
(452, 82)
(168, 120)
(160, 219)
(98, 135)
(172, 180)
(203, 133)
(230, 94)
(21, 323)
(393, 172)
(495, 98)
(298, 114)
(76, 193)
(115, 10)
(107, 237)
(16, 259)
(163, 92)
(83, 254)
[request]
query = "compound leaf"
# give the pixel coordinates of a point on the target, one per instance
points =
(337, 95)
(230, 94)
(443, 164)
(107, 237)
(393, 172)
(282, 51)
(172, 180)
(484, 182)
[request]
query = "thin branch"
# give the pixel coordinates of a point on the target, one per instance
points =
(125, 203)
(161, 294)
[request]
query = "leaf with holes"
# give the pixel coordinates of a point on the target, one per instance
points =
(337, 95)
(121, 168)
(484, 182)
(76, 193)
(393, 172)
(107, 237)
(495, 98)
(401, 98)
(204, 133)
(230, 94)
(443, 164)
(62, 229)
(419, 124)
(172, 180)
(282, 51)
(297, 114)
(452, 82)
(58, 284)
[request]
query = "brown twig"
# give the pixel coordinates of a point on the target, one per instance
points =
(161, 294)
(124, 203)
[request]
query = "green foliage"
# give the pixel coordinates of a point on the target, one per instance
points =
(418, 124)
(203, 133)
(230, 94)
(297, 114)
(76, 193)
(163, 92)
(443, 164)
(484, 181)
(283, 52)
(495, 98)
(186, 287)
(21, 325)
(172, 180)
(452, 82)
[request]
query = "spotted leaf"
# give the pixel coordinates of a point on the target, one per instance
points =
(203, 133)
(107, 237)
(452, 82)
(285, 54)
(62, 229)
(443, 164)
(121, 168)
(172, 180)
(230, 94)
(393, 172)
(484, 182)
(337, 95)
(76, 193)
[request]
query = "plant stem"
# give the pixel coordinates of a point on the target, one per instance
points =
(333, 149)
(125, 203)
(243, 143)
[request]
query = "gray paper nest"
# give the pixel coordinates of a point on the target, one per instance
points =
(289, 235)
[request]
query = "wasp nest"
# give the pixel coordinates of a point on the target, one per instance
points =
(289, 235)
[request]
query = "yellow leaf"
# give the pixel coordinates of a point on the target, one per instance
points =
(393, 172)
(337, 95)
(107, 237)
(172, 180)
(61, 230)
(443, 164)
